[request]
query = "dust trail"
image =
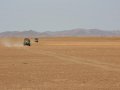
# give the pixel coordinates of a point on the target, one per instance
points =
(9, 43)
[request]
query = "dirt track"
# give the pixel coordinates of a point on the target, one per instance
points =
(60, 64)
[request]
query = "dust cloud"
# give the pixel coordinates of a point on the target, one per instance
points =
(9, 43)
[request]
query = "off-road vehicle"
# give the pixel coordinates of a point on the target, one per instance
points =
(27, 42)
(36, 40)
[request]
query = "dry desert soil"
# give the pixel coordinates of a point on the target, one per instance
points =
(66, 63)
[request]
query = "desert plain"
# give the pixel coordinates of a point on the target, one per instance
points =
(60, 63)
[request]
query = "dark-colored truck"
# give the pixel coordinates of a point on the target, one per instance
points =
(27, 42)
(36, 40)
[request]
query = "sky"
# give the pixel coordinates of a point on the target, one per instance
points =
(57, 15)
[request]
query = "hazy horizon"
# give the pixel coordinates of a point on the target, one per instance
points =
(59, 15)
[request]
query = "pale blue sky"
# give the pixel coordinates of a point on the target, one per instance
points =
(56, 15)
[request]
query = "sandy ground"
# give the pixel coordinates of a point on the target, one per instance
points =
(60, 64)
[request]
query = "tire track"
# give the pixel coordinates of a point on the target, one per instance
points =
(73, 59)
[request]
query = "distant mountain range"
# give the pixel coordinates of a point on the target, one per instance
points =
(66, 33)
